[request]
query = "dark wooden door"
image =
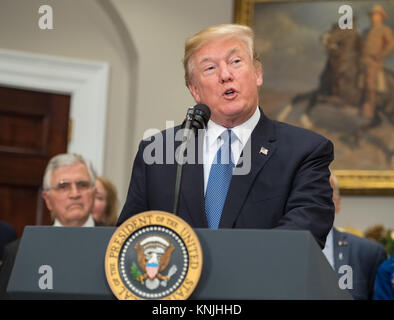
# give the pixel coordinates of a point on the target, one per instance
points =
(33, 128)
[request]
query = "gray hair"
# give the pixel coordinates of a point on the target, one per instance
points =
(335, 183)
(66, 159)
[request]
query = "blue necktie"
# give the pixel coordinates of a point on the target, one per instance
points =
(219, 182)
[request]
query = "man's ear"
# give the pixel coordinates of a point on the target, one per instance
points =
(259, 75)
(194, 91)
(45, 196)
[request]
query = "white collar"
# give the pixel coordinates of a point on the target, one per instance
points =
(242, 131)
(329, 249)
(330, 239)
(88, 223)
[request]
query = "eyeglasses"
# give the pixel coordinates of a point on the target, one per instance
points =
(66, 186)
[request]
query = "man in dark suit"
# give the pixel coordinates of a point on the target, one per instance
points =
(280, 172)
(362, 255)
(7, 235)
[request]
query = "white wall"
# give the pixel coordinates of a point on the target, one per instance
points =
(159, 29)
(361, 212)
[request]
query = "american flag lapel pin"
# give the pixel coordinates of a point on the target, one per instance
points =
(263, 151)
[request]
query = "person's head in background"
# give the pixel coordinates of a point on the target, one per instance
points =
(69, 188)
(377, 15)
(105, 209)
(336, 197)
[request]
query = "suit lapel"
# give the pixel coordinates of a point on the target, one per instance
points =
(341, 249)
(262, 136)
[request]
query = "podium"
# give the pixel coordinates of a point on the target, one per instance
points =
(239, 264)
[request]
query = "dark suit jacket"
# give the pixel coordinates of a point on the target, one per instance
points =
(7, 234)
(10, 252)
(364, 256)
(288, 188)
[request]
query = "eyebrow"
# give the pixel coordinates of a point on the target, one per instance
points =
(230, 53)
(233, 51)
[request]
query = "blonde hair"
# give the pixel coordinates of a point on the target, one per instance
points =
(222, 31)
(111, 208)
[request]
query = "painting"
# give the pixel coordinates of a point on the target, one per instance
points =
(328, 66)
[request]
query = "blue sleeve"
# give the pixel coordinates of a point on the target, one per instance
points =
(384, 285)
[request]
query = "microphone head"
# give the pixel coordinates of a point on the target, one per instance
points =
(203, 111)
(197, 117)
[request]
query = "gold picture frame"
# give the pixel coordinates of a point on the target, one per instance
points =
(351, 182)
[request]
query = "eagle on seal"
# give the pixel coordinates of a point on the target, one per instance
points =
(153, 256)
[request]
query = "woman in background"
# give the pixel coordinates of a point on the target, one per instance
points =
(105, 209)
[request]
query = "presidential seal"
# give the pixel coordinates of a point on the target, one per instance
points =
(153, 255)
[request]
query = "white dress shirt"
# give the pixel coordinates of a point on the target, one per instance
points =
(88, 223)
(212, 143)
(329, 249)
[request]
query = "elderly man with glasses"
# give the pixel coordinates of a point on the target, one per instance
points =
(68, 190)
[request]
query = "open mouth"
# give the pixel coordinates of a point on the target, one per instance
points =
(230, 93)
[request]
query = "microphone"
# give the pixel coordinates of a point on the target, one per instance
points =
(201, 117)
(196, 118)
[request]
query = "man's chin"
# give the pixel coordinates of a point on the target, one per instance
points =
(231, 116)
(77, 214)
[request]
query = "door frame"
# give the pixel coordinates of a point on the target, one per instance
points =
(85, 80)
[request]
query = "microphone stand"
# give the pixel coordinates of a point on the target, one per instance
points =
(196, 118)
(180, 160)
